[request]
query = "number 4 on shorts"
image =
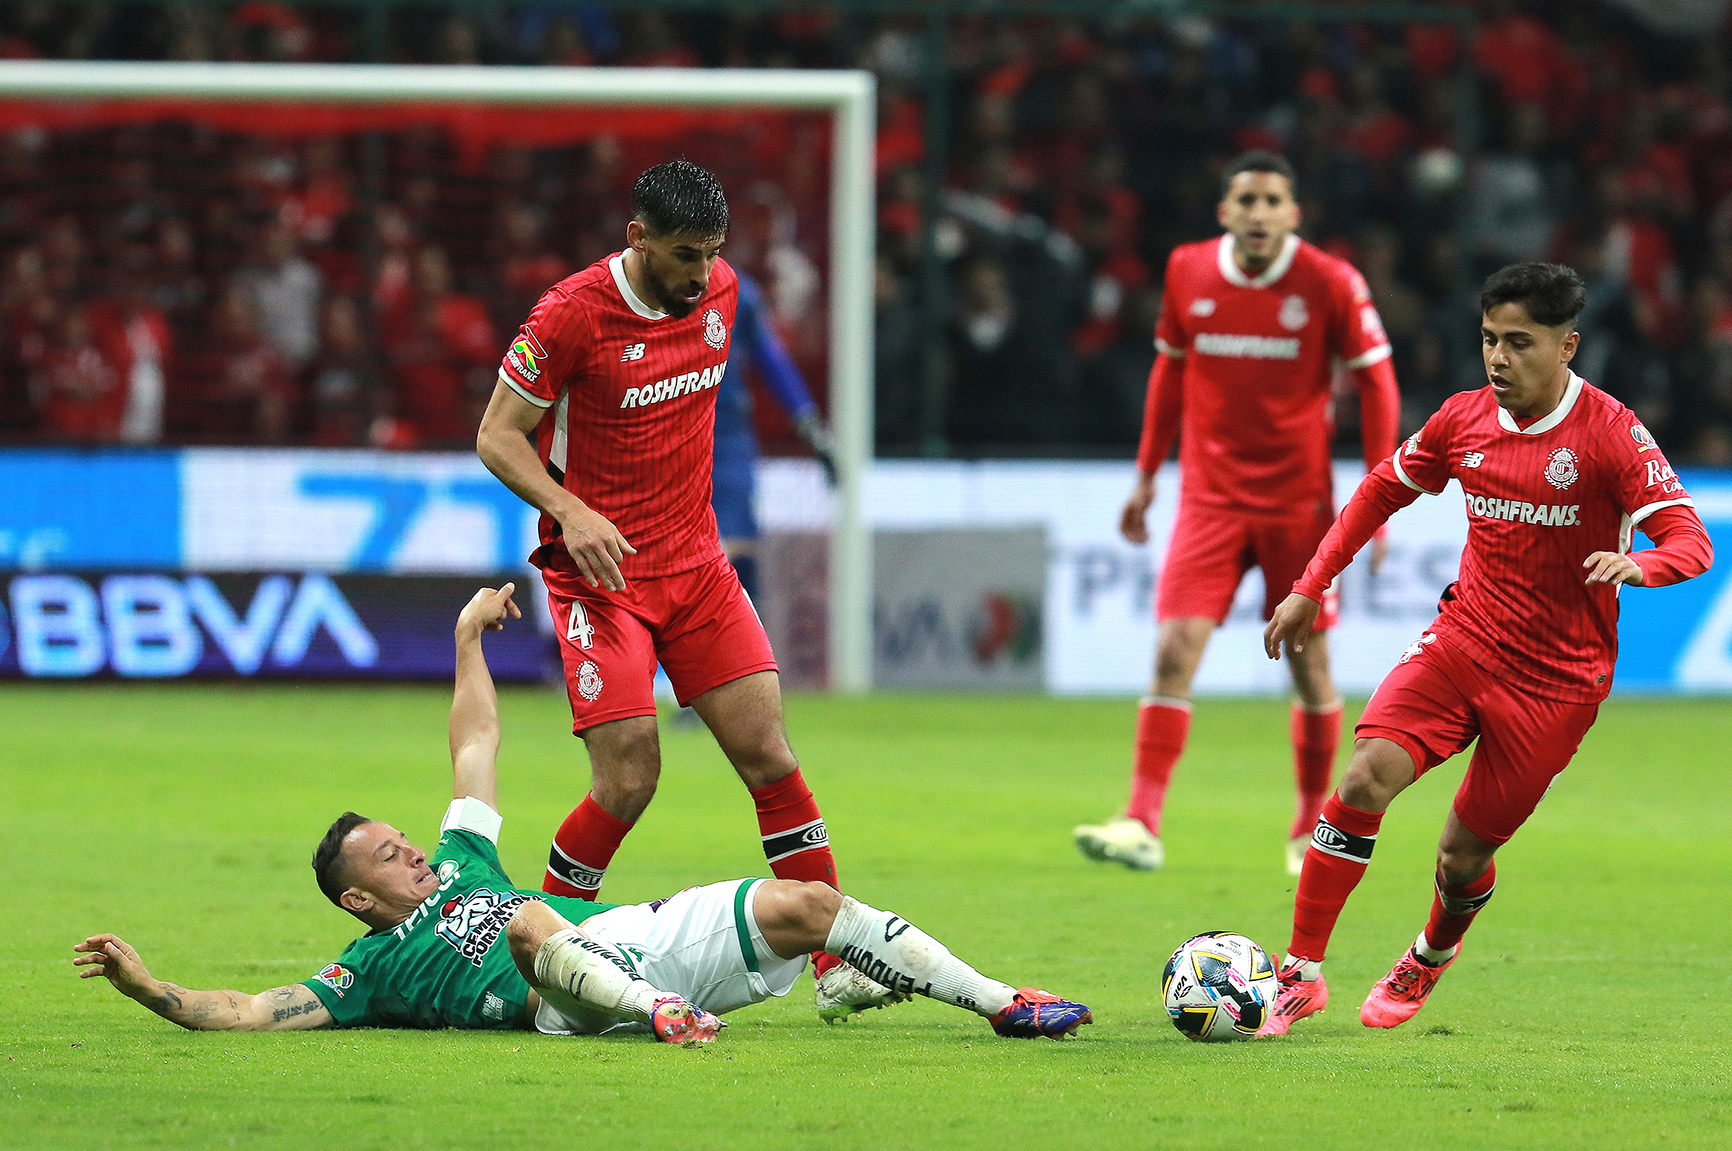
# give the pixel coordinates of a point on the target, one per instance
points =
(580, 631)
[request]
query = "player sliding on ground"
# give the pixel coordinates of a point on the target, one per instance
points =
(1555, 474)
(452, 943)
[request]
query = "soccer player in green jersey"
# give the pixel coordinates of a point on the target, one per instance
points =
(433, 957)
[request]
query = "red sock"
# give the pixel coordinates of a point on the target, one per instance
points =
(1334, 863)
(582, 848)
(1162, 725)
(1453, 909)
(1316, 736)
(795, 840)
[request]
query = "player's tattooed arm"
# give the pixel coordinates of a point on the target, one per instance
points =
(294, 1007)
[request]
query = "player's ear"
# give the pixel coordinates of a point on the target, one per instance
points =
(355, 901)
(1221, 211)
(1567, 351)
(635, 234)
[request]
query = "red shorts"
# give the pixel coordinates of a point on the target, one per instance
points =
(699, 625)
(1437, 700)
(1211, 550)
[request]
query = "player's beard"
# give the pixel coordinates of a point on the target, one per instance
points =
(667, 298)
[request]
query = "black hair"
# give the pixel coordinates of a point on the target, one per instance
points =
(332, 877)
(679, 197)
(1552, 293)
(1258, 160)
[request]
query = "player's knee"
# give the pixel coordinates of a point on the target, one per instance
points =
(527, 930)
(790, 906)
(764, 760)
(1379, 772)
(1460, 864)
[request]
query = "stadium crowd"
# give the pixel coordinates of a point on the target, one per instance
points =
(184, 283)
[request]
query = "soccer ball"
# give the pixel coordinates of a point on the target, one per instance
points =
(1219, 986)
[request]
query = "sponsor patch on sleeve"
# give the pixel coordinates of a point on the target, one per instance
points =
(526, 357)
(337, 977)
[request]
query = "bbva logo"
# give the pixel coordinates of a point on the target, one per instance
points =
(149, 625)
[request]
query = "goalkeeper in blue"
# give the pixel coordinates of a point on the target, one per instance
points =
(451, 942)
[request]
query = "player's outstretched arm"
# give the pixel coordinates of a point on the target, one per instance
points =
(1291, 624)
(596, 546)
(291, 1008)
(474, 724)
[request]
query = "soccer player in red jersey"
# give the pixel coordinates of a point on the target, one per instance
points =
(615, 372)
(1555, 474)
(1251, 328)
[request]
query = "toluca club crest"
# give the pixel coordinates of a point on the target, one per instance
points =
(1294, 315)
(589, 680)
(715, 331)
(1561, 468)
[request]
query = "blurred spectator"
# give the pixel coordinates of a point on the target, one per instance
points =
(77, 380)
(343, 399)
(137, 332)
(239, 388)
(284, 289)
(1702, 365)
(897, 365)
(1114, 381)
(1008, 380)
(1509, 201)
(442, 354)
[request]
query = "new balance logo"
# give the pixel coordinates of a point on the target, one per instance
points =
(632, 352)
(1473, 459)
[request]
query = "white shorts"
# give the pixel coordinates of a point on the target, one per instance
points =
(703, 943)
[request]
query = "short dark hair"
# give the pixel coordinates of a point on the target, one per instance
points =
(1552, 293)
(332, 877)
(1258, 160)
(680, 197)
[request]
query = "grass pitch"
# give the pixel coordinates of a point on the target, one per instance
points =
(1590, 1007)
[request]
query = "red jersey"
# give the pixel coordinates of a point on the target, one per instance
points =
(1540, 500)
(1259, 355)
(631, 410)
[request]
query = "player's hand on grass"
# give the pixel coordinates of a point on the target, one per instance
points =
(596, 547)
(487, 610)
(1613, 568)
(1133, 520)
(1291, 624)
(114, 959)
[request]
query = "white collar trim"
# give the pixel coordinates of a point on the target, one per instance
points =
(1572, 391)
(1234, 275)
(617, 267)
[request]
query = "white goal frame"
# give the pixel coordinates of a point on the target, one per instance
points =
(848, 95)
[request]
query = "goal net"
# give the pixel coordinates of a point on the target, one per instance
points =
(337, 255)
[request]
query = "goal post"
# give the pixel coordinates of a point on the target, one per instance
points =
(848, 96)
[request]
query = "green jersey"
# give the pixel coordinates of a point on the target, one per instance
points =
(447, 965)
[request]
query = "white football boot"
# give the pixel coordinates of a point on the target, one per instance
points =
(1122, 840)
(843, 990)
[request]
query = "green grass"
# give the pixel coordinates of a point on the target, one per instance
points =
(1590, 1008)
